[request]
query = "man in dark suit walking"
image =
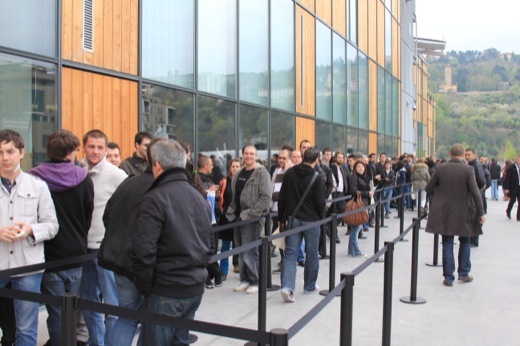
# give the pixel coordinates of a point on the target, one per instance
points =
(512, 187)
(452, 185)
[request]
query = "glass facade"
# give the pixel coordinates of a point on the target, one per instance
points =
(282, 55)
(29, 25)
(217, 52)
(323, 72)
(254, 52)
(352, 87)
(339, 80)
(169, 41)
(363, 91)
(282, 130)
(28, 104)
(253, 129)
(323, 135)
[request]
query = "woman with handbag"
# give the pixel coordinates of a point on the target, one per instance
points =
(358, 182)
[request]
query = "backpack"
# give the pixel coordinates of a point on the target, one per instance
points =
(400, 177)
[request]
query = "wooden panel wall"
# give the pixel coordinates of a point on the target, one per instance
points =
(372, 92)
(396, 9)
(114, 34)
(309, 4)
(339, 21)
(372, 28)
(363, 25)
(380, 33)
(93, 101)
(305, 129)
(324, 11)
(396, 49)
(372, 142)
(306, 64)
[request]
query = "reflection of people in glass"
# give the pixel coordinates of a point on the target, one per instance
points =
(113, 154)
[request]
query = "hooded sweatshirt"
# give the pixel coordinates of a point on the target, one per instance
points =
(295, 182)
(73, 194)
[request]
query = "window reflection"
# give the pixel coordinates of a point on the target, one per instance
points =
(339, 82)
(352, 140)
(381, 100)
(352, 86)
(363, 142)
(28, 103)
(282, 55)
(216, 129)
(253, 130)
(282, 130)
(363, 91)
(323, 135)
(323, 72)
(339, 138)
(167, 113)
(254, 82)
(168, 41)
(33, 21)
(217, 52)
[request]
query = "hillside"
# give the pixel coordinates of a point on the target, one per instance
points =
(485, 112)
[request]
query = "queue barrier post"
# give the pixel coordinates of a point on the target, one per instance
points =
(413, 299)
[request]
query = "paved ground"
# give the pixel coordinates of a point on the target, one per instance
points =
(484, 312)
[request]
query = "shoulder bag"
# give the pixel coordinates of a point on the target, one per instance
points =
(358, 218)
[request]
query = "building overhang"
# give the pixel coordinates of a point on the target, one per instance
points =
(430, 47)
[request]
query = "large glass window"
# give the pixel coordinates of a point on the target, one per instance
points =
(352, 140)
(253, 130)
(339, 82)
(339, 138)
(352, 86)
(363, 142)
(29, 25)
(216, 127)
(388, 104)
(217, 47)
(363, 91)
(28, 103)
(168, 41)
(282, 130)
(388, 40)
(253, 45)
(282, 55)
(167, 113)
(323, 135)
(352, 20)
(323, 72)
(395, 107)
(380, 100)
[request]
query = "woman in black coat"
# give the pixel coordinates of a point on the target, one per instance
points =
(358, 182)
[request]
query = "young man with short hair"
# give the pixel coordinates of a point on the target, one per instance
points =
(136, 164)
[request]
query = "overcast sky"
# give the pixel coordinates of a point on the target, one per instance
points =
(471, 24)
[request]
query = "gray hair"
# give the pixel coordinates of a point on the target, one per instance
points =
(168, 154)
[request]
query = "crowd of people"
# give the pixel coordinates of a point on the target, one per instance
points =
(149, 219)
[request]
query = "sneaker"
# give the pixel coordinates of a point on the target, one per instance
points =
(316, 289)
(387, 216)
(244, 285)
(447, 283)
(364, 255)
(252, 289)
(288, 295)
(218, 281)
(209, 284)
(301, 263)
(467, 278)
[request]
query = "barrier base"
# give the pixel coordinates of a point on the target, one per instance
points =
(404, 240)
(273, 288)
(193, 338)
(433, 265)
(417, 300)
(326, 293)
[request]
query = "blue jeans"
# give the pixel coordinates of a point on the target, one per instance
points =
(124, 329)
(448, 260)
(98, 284)
(387, 194)
(224, 263)
(494, 189)
(353, 246)
(249, 260)
(408, 203)
(175, 307)
(301, 253)
(26, 313)
(292, 247)
(58, 283)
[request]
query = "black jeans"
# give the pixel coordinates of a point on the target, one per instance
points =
(7, 321)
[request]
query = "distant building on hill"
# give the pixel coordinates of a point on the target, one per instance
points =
(448, 86)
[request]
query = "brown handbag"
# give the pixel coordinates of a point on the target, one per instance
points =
(358, 218)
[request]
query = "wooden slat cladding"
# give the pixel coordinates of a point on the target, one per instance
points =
(305, 62)
(115, 25)
(372, 28)
(308, 4)
(305, 129)
(372, 142)
(363, 25)
(380, 33)
(324, 11)
(339, 13)
(93, 101)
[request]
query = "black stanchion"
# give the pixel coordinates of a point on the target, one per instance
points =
(268, 227)
(377, 230)
(419, 209)
(323, 242)
(382, 212)
(332, 262)
(279, 337)
(69, 309)
(401, 216)
(265, 256)
(435, 262)
(347, 310)
(413, 299)
(387, 294)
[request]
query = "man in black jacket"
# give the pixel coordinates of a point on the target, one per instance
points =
(512, 187)
(480, 177)
(495, 170)
(295, 182)
(120, 220)
(171, 244)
